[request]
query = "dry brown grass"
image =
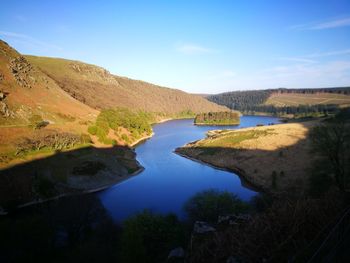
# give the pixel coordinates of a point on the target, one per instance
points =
(295, 99)
(280, 151)
(99, 89)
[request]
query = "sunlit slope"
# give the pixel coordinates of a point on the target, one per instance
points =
(26, 91)
(295, 99)
(99, 89)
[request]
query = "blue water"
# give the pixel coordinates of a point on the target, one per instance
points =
(169, 179)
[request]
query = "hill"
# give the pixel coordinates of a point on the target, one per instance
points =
(26, 92)
(99, 89)
(282, 102)
(262, 156)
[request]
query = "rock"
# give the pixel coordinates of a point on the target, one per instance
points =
(21, 70)
(201, 227)
(234, 219)
(2, 95)
(5, 111)
(178, 252)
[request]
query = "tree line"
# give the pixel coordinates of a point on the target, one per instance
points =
(252, 101)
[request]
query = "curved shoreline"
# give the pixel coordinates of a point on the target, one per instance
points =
(79, 192)
(239, 172)
(97, 189)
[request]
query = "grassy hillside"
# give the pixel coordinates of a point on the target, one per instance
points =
(99, 89)
(26, 92)
(286, 102)
(294, 99)
(272, 158)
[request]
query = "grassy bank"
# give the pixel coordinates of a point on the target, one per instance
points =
(273, 158)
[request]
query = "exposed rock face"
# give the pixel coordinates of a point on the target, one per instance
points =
(92, 72)
(234, 219)
(21, 70)
(4, 109)
(201, 227)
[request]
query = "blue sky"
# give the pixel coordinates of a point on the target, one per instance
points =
(196, 46)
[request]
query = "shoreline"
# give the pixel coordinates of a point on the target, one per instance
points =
(97, 189)
(135, 143)
(79, 192)
(239, 172)
(216, 124)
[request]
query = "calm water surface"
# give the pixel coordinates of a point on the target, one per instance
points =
(169, 179)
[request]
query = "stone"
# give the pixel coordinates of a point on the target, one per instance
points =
(234, 219)
(201, 227)
(178, 252)
(21, 70)
(5, 111)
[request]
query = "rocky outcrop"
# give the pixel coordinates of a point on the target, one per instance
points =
(201, 227)
(4, 108)
(21, 69)
(94, 73)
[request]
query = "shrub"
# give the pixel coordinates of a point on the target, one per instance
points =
(137, 123)
(147, 237)
(92, 129)
(209, 204)
(85, 138)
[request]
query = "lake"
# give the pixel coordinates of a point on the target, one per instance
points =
(169, 180)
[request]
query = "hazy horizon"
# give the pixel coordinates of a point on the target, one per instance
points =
(197, 46)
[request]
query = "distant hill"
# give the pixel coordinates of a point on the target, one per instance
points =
(283, 101)
(99, 89)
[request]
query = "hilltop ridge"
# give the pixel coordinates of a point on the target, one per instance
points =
(99, 89)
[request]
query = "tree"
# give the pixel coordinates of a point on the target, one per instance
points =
(210, 204)
(147, 237)
(331, 141)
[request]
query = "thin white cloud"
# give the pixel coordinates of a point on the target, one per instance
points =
(299, 75)
(25, 39)
(323, 25)
(297, 59)
(193, 49)
(329, 53)
(310, 58)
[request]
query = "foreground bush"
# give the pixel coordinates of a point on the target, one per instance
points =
(147, 237)
(209, 204)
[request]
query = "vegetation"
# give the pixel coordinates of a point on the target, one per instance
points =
(217, 118)
(99, 89)
(48, 141)
(147, 237)
(331, 141)
(72, 229)
(300, 102)
(232, 138)
(135, 124)
(210, 204)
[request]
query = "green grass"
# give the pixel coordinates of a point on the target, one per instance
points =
(231, 139)
(137, 123)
